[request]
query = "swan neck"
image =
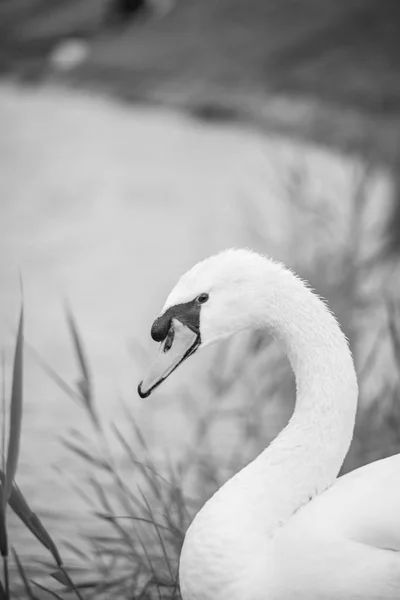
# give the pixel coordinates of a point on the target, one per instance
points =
(320, 431)
(244, 516)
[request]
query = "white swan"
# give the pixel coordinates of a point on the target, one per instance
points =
(284, 527)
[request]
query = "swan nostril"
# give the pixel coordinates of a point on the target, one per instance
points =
(169, 339)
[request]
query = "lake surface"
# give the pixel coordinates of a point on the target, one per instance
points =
(105, 205)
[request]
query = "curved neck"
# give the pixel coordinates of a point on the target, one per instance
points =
(240, 521)
(311, 449)
(307, 455)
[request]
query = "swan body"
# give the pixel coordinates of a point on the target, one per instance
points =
(284, 527)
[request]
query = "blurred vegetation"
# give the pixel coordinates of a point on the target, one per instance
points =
(345, 52)
(246, 397)
(316, 69)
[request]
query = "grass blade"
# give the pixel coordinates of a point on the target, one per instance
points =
(77, 551)
(85, 382)
(107, 517)
(108, 510)
(62, 576)
(45, 589)
(23, 511)
(160, 538)
(53, 375)
(86, 456)
(15, 414)
(23, 576)
(4, 412)
(3, 529)
(14, 439)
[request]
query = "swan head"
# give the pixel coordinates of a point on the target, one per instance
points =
(215, 299)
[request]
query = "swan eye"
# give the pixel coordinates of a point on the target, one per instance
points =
(202, 298)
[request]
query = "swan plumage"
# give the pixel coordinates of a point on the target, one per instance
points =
(285, 527)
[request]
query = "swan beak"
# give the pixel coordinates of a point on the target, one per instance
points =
(180, 342)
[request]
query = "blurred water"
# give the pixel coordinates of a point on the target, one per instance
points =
(107, 205)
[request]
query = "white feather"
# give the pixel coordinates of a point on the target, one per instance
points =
(285, 528)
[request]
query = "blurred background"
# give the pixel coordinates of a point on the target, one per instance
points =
(136, 138)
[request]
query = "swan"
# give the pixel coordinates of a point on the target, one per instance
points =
(285, 527)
